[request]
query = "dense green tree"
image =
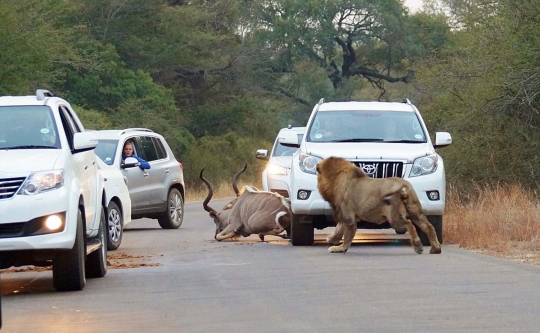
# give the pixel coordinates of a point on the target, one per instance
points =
(484, 89)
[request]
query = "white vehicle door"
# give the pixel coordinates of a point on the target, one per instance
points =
(85, 168)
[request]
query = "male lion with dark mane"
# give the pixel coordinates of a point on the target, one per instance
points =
(356, 197)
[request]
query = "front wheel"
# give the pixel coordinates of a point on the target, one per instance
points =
(302, 232)
(115, 223)
(174, 215)
(69, 266)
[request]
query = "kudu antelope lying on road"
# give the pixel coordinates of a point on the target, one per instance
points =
(252, 212)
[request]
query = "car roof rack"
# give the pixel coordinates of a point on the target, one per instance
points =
(135, 129)
(321, 101)
(42, 93)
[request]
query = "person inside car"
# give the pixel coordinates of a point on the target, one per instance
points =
(128, 152)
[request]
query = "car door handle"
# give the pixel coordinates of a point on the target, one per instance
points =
(146, 174)
(86, 167)
(167, 171)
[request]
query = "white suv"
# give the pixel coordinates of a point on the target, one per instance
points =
(275, 177)
(51, 192)
(385, 139)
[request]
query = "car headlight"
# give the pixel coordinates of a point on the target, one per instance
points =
(308, 163)
(42, 181)
(424, 165)
(275, 169)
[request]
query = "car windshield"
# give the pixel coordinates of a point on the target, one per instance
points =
(28, 127)
(366, 126)
(281, 150)
(106, 150)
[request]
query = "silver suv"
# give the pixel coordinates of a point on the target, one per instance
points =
(157, 192)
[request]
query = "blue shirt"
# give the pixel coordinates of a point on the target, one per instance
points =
(144, 164)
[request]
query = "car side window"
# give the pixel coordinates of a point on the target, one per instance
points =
(69, 127)
(149, 152)
(162, 153)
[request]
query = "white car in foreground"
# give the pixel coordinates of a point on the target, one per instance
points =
(117, 203)
(275, 177)
(50, 191)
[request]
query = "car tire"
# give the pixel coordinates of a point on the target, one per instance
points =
(301, 233)
(436, 221)
(115, 226)
(96, 262)
(174, 215)
(69, 266)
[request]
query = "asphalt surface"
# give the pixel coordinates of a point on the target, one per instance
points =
(184, 281)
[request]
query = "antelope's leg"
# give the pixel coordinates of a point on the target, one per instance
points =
(228, 232)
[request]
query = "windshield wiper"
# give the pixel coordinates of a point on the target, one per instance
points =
(358, 140)
(403, 141)
(29, 147)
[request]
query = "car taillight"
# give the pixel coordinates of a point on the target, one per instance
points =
(181, 166)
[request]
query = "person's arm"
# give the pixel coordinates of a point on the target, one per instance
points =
(144, 164)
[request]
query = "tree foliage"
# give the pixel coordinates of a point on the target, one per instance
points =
(219, 78)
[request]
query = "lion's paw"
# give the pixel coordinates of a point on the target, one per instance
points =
(337, 249)
(435, 250)
(418, 248)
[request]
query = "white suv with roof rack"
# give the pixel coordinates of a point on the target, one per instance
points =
(158, 192)
(385, 139)
(51, 209)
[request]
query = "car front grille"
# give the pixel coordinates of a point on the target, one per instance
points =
(9, 186)
(382, 169)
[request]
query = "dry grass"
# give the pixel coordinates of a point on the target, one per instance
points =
(502, 221)
(221, 191)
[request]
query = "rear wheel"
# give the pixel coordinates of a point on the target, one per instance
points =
(69, 266)
(302, 232)
(436, 221)
(174, 215)
(96, 262)
(115, 225)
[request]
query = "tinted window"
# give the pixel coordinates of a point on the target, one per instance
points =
(106, 150)
(377, 126)
(162, 153)
(149, 151)
(28, 127)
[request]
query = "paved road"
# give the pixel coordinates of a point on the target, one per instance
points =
(190, 283)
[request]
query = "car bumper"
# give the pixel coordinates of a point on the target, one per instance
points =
(316, 205)
(16, 210)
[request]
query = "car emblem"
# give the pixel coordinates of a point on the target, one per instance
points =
(369, 169)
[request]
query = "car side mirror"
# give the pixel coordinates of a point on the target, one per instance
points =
(262, 154)
(288, 138)
(442, 139)
(130, 162)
